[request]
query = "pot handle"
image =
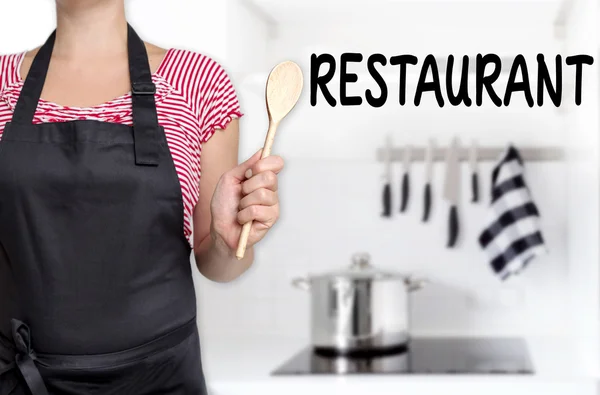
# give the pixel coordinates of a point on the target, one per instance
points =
(416, 284)
(301, 283)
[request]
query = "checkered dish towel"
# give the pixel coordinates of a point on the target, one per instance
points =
(512, 237)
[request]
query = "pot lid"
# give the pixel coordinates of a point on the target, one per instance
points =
(361, 268)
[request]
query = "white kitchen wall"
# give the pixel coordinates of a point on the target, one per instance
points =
(584, 196)
(331, 193)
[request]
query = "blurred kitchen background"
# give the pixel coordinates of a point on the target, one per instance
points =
(331, 186)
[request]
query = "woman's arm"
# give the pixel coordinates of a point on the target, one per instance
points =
(214, 260)
(230, 195)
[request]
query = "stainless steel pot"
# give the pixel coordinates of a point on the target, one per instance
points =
(360, 309)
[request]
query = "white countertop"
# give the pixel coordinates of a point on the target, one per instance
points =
(244, 365)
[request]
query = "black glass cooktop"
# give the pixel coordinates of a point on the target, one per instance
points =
(424, 356)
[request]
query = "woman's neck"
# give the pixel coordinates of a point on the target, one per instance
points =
(90, 28)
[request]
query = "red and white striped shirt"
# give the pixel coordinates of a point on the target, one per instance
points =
(194, 97)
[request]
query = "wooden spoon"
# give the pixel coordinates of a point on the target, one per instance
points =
(284, 86)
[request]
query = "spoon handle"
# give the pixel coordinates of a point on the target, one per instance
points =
(243, 242)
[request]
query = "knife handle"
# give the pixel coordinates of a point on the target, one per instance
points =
(475, 187)
(405, 192)
(427, 202)
(387, 200)
(453, 227)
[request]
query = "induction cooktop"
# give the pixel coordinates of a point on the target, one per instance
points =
(433, 355)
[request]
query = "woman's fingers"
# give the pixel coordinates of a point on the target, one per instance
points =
(239, 172)
(266, 215)
(259, 197)
(260, 201)
(266, 179)
(271, 163)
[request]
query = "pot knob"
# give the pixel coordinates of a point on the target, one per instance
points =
(361, 260)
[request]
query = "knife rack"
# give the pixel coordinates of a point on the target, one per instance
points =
(530, 154)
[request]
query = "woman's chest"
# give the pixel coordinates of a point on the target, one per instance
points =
(181, 132)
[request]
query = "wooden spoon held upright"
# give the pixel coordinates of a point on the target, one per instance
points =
(284, 86)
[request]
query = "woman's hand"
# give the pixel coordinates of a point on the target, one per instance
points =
(231, 195)
(246, 193)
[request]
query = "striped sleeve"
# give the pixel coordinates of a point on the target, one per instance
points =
(218, 103)
(5, 70)
(206, 87)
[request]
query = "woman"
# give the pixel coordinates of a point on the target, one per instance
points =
(97, 203)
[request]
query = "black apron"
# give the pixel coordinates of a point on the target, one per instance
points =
(96, 289)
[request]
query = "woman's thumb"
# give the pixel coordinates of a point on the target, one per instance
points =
(240, 170)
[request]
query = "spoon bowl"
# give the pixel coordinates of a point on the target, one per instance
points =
(284, 86)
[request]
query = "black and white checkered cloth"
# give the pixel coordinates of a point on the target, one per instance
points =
(512, 237)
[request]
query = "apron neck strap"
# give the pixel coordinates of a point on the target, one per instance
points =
(146, 129)
(34, 84)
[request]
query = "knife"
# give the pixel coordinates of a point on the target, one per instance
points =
(451, 191)
(405, 187)
(428, 179)
(387, 189)
(474, 172)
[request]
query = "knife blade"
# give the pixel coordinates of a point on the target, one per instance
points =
(405, 185)
(451, 191)
(387, 188)
(474, 172)
(428, 178)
